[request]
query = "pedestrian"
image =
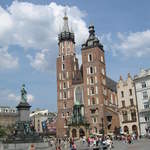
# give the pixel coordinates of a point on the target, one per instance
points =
(109, 143)
(74, 147)
(88, 141)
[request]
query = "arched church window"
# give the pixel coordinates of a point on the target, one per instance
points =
(91, 80)
(92, 90)
(93, 101)
(89, 57)
(78, 95)
(91, 70)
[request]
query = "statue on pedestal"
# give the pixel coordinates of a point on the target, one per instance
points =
(23, 132)
(23, 94)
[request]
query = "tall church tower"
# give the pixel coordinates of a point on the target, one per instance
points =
(94, 76)
(67, 67)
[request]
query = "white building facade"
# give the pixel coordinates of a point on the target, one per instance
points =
(127, 106)
(142, 87)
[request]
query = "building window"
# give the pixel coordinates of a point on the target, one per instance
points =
(130, 91)
(103, 72)
(92, 90)
(93, 101)
(122, 94)
(95, 79)
(64, 95)
(125, 115)
(146, 105)
(89, 102)
(64, 85)
(91, 80)
(63, 58)
(94, 119)
(145, 95)
(63, 66)
(91, 70)
(89, 57)
(123, 103)
(133, 115)
(147, 118)
(143, 84)
(102, 59)
(131, 102)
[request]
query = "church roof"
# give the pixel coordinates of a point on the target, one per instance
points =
(111, 84)
(92, 40)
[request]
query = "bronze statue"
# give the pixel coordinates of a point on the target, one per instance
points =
(23, 94)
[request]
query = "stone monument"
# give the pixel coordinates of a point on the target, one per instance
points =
(24, 132)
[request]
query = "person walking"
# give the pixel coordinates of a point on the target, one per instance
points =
(74, 147)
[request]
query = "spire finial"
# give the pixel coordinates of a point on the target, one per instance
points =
(65, 27)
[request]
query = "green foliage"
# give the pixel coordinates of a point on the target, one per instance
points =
(2, 132)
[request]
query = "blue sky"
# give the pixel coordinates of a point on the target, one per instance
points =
(28, 42)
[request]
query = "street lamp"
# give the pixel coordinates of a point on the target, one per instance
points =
(102, 128)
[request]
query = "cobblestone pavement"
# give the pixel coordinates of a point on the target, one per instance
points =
(143, 144)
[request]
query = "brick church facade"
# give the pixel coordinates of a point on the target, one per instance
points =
(87, 84)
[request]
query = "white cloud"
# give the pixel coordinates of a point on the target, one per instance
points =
(14, 97)
(133, 44)
(8, 96)
(30, 98)
(7, 61)
(40, 61)
(37, 26)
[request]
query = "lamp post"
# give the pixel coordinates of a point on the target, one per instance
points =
(102, 129)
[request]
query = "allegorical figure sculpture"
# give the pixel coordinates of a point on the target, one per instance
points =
(23, 94)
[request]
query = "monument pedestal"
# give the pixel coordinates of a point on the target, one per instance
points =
(24, 132)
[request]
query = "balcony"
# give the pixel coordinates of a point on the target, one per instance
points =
(143, 111)
(129, 121)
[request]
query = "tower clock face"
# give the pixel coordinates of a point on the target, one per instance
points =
(79, 95)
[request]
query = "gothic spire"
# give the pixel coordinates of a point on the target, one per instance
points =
(66, 34)
(65, 26)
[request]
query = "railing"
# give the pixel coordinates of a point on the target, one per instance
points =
(129, 121)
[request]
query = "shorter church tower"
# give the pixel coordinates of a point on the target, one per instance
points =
(94, 80)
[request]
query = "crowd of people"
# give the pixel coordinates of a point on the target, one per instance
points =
(105, 142)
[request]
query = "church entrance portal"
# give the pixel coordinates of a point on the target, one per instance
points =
(74, 133)
(81, 132)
